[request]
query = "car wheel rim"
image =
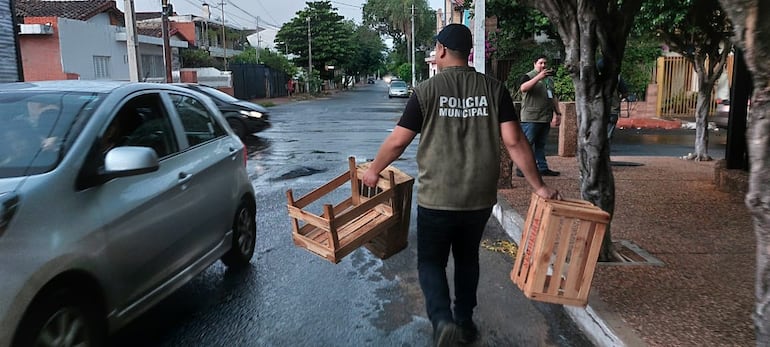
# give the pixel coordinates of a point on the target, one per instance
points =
(245, 227)
(67, 327)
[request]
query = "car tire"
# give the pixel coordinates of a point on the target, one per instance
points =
(390, 97)
(244, 237)
(238, 127)
(65, 317)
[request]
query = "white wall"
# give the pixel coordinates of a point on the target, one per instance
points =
(81, 41)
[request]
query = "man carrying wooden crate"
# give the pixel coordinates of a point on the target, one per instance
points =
(461, 115)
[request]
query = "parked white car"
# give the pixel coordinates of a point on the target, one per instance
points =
(112, 195)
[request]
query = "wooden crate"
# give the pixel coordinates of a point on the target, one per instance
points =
(362, 217)
(558, 251)
(394, 238)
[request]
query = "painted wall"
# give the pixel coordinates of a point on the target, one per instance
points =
(81, 41)
(40, 54)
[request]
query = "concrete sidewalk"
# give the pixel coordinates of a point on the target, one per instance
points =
(702, 294)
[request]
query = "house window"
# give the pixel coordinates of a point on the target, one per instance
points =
(101, 67)
(153, 66)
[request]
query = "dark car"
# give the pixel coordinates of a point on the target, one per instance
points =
(370, 80)
(244, 117)
(723, 114)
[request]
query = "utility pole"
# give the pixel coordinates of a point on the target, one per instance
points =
(413, 45)
(164, 27)
(259, 40)
(224, 35)
(479, 50)
(133, 49)
(309, 55)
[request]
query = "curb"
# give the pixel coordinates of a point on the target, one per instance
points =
(602, 326)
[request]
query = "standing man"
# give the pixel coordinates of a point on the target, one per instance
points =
(461, 115)
(537, 111)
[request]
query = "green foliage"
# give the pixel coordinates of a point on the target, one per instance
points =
(331, 38)
(248, 56)
(690, 28)
(272, 59)
(638, 63)
(516, 23)
(563, 88)
(367, 55)
(277, 61)
(192, 58)
(393, 18)
(404, 72)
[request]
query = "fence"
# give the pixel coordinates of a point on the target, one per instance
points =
(678, 87)
(252, 81)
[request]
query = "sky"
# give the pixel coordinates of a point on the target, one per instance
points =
(244, 13)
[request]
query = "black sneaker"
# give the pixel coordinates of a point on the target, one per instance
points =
(446, 334)
(469, 333)
(549, 172)
(519, 173)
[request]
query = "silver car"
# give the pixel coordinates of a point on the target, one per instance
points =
(112, 195)
(398, 89)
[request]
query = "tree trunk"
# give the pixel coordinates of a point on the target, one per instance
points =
(752, 33)
(597, 183)
(586, 27)
(702, 107)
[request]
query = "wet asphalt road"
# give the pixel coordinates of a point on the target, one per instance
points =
(290, 297)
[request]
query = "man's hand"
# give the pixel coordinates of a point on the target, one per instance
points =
(371, 178)
(547, 192)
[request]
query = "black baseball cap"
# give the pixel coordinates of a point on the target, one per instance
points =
(456, 37)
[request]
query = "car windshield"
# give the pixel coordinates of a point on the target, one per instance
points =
(37, 127)
(218, 94)
(398, 84)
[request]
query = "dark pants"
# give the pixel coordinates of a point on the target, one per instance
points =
(537, 136)
(438, 232)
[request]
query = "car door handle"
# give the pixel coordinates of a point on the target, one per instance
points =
(184, 177)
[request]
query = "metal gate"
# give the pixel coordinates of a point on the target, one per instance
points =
(257, 81)
(678, 87)
(10, 70)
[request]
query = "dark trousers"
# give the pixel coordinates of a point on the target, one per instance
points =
(438, 232)
(537, 136)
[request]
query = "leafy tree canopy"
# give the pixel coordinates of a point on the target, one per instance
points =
(331, 39)
(689, 27)
(393, 18)
(368, 54)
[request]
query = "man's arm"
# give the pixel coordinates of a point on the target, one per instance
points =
(392, 148)
(529, 83)
(521, 153)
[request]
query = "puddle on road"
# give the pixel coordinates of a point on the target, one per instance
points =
(297, 172)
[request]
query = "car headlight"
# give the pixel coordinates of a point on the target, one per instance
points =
(9, 202)
(252, 114)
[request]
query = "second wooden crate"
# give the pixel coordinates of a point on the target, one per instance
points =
(558, 251)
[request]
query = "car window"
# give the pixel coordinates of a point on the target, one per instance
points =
(142, 121)
(199, 124)
(398, 84)
(36, 128)
(218, 94)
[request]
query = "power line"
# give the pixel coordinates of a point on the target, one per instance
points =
(267, 12)
(344, 4)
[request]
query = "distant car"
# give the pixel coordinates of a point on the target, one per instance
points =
(398, 89)
(370, 80)
(722, 114)
(244, 117)
(112, 195)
